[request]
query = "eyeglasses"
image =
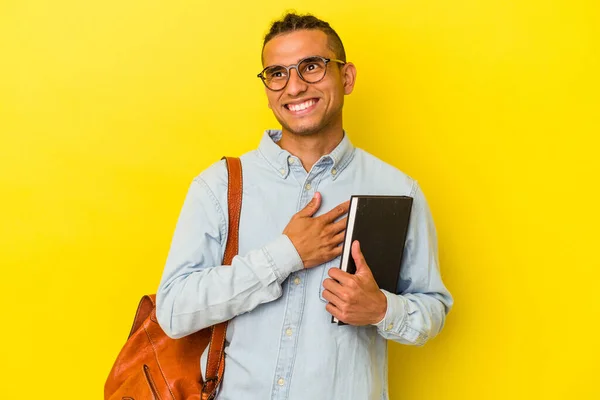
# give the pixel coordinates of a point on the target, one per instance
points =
(310, 70)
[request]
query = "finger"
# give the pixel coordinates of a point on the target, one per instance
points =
(332, 298)
(333, 286)
(342, 277)
(359, 258)
(336, 212)
(333, 310)
(338, 239)
(340, 225)
(335, 251)
(312, 206)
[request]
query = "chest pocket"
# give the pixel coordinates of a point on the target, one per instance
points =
(335, 263)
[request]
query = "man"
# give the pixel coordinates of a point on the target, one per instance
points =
(280, 292)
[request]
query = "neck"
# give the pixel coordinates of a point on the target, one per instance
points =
(309, 148)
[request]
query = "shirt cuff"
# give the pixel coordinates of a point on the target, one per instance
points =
(283, 257)
(395, 315)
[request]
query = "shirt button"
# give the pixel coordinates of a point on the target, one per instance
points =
(333, 171)
(288, 332)
(307, 187)
(297, 280)
(291, 160)
(282, 171)
(389, 327)
(280, 381)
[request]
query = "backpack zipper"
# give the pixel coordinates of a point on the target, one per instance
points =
(151, 382)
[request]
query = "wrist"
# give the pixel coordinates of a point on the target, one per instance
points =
(381, 308)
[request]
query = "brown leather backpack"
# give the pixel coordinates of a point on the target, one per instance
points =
(151, 365)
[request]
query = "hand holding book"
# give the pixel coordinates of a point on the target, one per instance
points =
(380, 224)
(354, 298)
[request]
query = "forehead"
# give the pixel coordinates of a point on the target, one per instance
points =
(290, 47)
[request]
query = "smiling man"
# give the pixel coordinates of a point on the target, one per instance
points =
(281, 290)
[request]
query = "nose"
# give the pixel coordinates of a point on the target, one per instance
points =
(295, 85)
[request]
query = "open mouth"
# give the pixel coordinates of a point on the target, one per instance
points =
(302, 108)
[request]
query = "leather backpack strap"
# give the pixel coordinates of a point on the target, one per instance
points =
(216, 351)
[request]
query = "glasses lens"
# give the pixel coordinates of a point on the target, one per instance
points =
(275, 77)
(312, 69)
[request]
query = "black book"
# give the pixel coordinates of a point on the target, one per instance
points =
(380, 224)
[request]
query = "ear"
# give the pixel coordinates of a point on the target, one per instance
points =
(349, 77)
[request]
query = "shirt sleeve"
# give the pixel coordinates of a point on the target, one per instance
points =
(418, 311)
(196, 291)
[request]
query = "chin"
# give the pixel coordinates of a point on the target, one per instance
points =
(301, 129)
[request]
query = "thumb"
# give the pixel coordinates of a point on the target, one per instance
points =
(311, 207)
(359, 259)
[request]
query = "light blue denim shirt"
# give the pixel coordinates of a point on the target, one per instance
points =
(281, 343)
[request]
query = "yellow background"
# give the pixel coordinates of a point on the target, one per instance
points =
(109, 108)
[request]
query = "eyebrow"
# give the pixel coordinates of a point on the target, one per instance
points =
(297, 61)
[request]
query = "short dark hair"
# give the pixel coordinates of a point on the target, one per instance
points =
(294, 22)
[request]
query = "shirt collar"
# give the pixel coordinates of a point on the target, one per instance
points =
(278, 158)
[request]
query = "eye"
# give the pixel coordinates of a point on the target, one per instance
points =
(275, 72)
(312, 65)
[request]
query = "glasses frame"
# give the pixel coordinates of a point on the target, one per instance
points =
(295, 66)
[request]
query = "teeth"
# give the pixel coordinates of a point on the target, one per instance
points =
(301, 106)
